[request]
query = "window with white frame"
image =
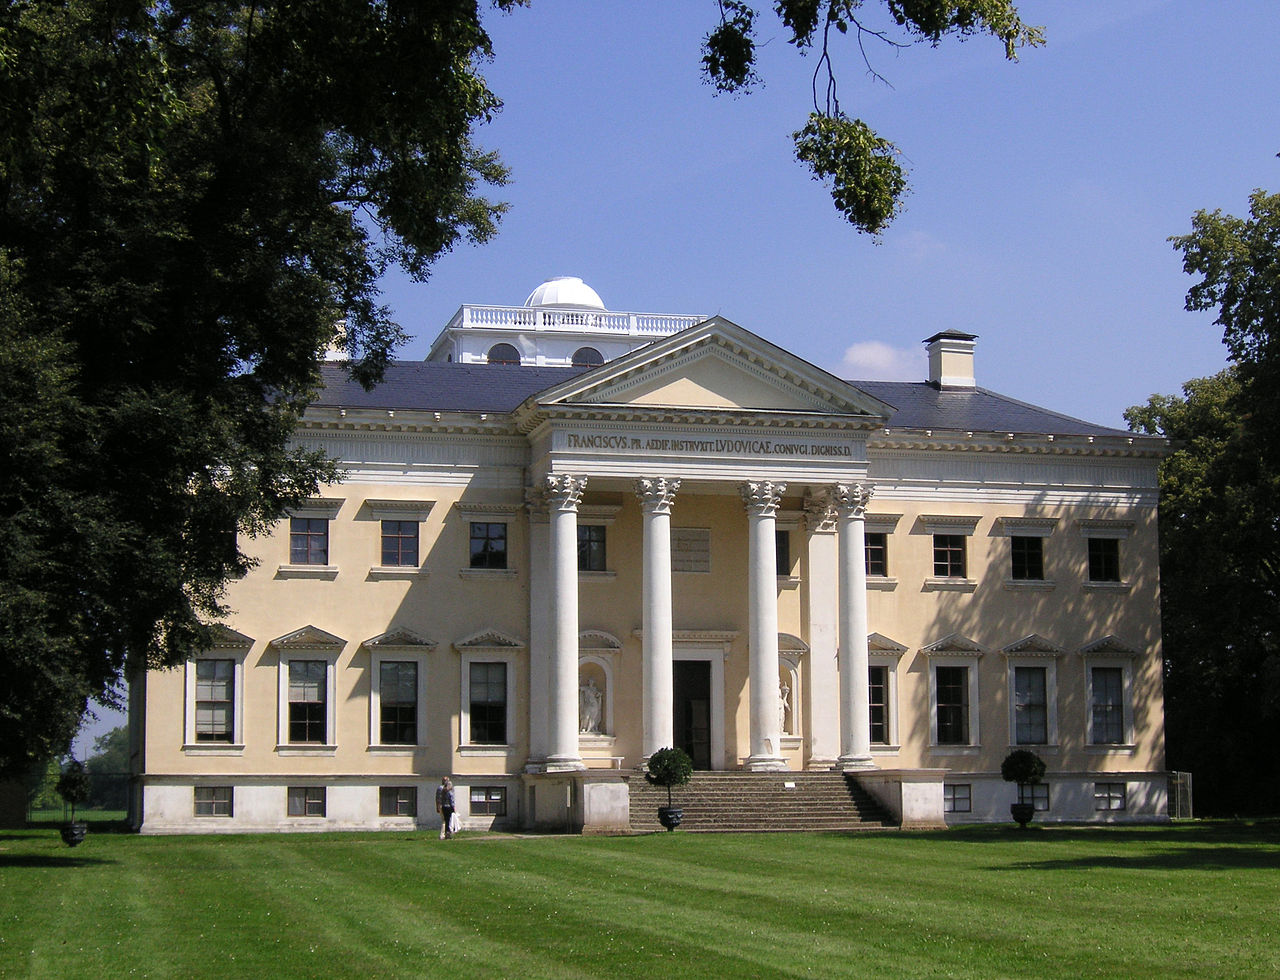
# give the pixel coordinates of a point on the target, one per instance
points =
(310, 553)
(591, 548)
(1037, 794)
(1027, 536)
(308, 695)
(878, 696)
(1026, 558)
(306, 801)
(1103, 567)
(397, 692)
(487, 702)
(486, 696)
(1107, 705)
(876, 546)
(1030, 705)
(215, 700)
(1109, 796)
(214, 801)
(950, 550)
(952, 704)
(398, 702)
(488, 801)
(957, 798)
(397, 801)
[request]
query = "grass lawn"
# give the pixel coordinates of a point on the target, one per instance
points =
(1195, 900)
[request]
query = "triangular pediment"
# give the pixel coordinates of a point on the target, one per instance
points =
(1033, 645)
(308, 638)
(225, 638)
(716, 366)
(399, 638)
(488, 639)
(954, 644)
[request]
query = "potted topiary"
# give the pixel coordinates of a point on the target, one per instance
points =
(73, 787)
(1025, 768)
(669, 767)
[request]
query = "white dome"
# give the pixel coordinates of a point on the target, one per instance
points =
(565, 292)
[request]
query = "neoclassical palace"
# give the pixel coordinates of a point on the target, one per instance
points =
(572, 536)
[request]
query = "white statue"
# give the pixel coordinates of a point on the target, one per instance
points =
(589, 699)
(784, 705)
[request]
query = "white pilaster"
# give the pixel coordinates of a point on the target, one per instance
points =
(535, 499)
(820, 605)
(563, 495)
(658, 712)
(850, 501)
(761, 501)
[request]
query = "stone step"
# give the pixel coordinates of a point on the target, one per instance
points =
(751, 802)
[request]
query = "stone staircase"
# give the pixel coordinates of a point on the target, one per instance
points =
(761, 801)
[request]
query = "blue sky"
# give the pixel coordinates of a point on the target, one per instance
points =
(1043, 190)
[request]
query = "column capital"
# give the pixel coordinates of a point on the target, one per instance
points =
(564, 492)
(656, 494)
(851, 499)
(535, 501)
(762, 497)
(820, 513)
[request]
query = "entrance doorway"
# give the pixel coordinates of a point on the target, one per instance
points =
(692, 697)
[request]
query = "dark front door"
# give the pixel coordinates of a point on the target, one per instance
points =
(693, 710)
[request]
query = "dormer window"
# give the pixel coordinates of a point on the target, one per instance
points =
(587, 357)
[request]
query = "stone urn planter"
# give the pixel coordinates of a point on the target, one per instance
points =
(1026, 769)
(669, 767)
(670, 816)
(73, 787)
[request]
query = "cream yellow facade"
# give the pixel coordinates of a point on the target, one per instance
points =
(703, 541)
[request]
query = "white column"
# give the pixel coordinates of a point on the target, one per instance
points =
(535, 499)
(762, 500)
(563, 494)
(658, 711)
(820, 605)
(855, 724)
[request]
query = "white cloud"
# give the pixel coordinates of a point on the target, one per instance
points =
(873, 360)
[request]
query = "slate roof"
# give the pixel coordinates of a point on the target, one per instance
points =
(441, 386)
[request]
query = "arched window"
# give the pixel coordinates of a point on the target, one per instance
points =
(503, 354)
(587, 357)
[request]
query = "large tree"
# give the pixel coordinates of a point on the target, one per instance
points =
(196, 196)
(1220, 521)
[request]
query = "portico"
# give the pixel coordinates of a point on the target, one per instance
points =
(724, 427)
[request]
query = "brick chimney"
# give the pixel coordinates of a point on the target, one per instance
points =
(951, 359)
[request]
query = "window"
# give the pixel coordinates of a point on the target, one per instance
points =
(1037, 794)
(398, 695)
(489, 801)
(957, 798)
(952, 685)
(1028, 558)
(1109, 796)
(782, 552)
(503, 354)
(877, 548)
(397, 801)
(215, 700)
(591, 554)
(213, 801)
(488, 544)
(948, 556)
(306, 801)
(1107, 696)
(1030, 704)
(307, 701)
(309, 540)
(587, 357)
(488, 697)
(1104, 559)
(400, 543)
(878, 688)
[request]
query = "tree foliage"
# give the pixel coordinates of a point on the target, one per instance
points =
(1220, 522)
(198, 198)
(859, 167)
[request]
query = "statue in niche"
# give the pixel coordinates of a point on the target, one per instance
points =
(590, 698)
(784, 707)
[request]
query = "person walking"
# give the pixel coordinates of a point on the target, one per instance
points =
(445, 807)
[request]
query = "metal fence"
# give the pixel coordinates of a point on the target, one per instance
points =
(1180, 796)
